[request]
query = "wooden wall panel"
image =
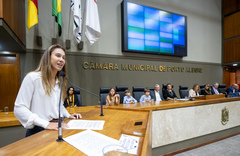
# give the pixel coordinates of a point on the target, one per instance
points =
(231, 50)
(238, 76)
(232, 78)
(14, 16)
(226, 77)
(9, 79)
(229, 6)
(232, 25)
(1, 9)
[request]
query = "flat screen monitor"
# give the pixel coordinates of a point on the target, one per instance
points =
(153, 31)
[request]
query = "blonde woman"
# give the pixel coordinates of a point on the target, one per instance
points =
(194, 91)
(37, 102)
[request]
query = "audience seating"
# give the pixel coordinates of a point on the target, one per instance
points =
(183, 91)
(201, 88)
(121, 91)
(104, 91)
(222, 88)
(137, 92)
(77, 92)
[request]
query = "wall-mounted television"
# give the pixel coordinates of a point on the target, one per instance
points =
(153, 31)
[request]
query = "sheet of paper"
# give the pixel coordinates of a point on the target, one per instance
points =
(86, 124)
(90, 142)
(130, 143)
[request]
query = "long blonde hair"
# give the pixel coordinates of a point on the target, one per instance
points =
(45, 68)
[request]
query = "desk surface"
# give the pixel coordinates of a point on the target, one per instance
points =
(170, 104)
(44, 143)
(9, 119)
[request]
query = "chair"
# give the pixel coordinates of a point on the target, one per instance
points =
(77, 92)
(104, 91)
(201, 88)
(137, 92)
(164, 87)
(152, 93)
(222, 88)
(121, 91)
(183, 91)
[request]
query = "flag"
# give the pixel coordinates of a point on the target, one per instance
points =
(32, 17)
(93, 30)
(77, 19)
(56, 11)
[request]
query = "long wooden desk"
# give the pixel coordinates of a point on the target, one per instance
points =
(9, 119)
(44, 143)
(170, 104)
(177, 121)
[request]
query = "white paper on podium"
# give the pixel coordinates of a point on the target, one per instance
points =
(86, 124)
(90, 142)
(130, 143)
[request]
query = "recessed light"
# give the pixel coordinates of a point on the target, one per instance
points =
(234, 64)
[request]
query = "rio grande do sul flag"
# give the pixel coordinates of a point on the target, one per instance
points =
(32, 17)
(77, 19)
(93, 30)
(56, 11)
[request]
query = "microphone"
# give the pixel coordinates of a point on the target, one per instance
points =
(60, 139)
(85, 91)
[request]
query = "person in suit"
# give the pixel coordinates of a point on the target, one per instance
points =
(232, 90)
(214, 89)
(169, 93)
(206, 90)
(194, 91)
(71, 100)
(157, 95)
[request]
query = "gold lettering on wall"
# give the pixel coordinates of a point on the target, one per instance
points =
(135, 67)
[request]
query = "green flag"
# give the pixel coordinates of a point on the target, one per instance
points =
(56, 11)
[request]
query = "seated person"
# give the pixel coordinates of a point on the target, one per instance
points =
(112, 98)
(146, 97)
(169, 94)
(206, 90)
(157, 93)
(232, 90)
(128, 98)
(71, 100)
(194, 91)
(214, 89)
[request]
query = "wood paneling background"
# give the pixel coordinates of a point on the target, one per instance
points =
(1, 9)
(9, 79)
(232, 50)
(231, 31)
(13, 13)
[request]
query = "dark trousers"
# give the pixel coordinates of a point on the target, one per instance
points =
(34, 130)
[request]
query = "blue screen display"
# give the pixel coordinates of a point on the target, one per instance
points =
(153, 30)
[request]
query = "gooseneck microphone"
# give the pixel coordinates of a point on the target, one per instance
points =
(101, 114)
(60, 139)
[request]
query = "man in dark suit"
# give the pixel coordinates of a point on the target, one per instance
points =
(157, 95)
(233, 90)
(214, 89)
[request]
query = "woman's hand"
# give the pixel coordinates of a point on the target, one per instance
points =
(75, 116)
(117, 95)
(54, 126)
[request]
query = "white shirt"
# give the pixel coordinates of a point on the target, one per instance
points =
(157, 95)
(33, 106)
(216, 91)
(192, 93)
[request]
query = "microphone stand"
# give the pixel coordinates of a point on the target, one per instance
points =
(60, 139)
(89, 93)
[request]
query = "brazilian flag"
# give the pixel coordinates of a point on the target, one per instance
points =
(56, 11)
